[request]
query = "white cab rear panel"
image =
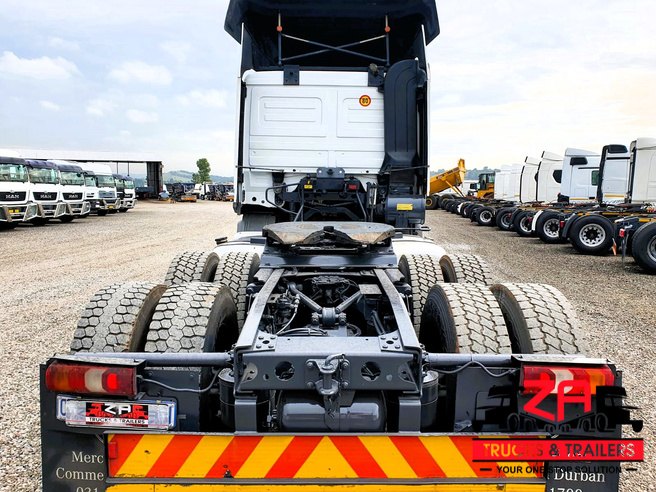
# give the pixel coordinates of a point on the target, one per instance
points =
(321, 122)
(644, 172)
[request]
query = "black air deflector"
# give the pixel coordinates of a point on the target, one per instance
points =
(402, 83)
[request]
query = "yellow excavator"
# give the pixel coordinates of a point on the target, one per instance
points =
(452, 179)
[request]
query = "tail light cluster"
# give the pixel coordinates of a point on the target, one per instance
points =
(565, 379)
(91, 379)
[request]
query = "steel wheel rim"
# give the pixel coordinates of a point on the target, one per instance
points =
(592, 235)
(525, 225)
(505, 220)
(485, 216)
(651, 248)
(551, 228)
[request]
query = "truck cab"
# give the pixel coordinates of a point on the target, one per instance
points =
(580, 176)
(72, 180)
(106, 201)
(614, 175)
(528, 180)
(125, 192)
(16, 203)
(548, 177)
(45, 190)
(642, 181)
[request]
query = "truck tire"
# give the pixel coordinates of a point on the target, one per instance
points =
(192, 266)
(466, 210)
(465, 269)
(485, 216)
(547, 228)
(422, 272)
(644, 247)
(236, 271)
(102, 213)
(431, 202)
(463, 318)
(592, 235)
(539, 318)
(522, 224)
(194, 317)
(67, 218)
(117, 318)
(503, 218)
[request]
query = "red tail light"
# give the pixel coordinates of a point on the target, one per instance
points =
(622, 232)
(91, 379)
(570, 380)
(562, 224)
(352, 187)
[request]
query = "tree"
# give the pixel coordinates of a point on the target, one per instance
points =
(203, 170)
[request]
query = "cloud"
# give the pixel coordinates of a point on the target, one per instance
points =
(138, 71)
(44, 68)
(141, 117)
(179, 50)
(212, 98)
(64, 44)
(50, 106)
(100, 107)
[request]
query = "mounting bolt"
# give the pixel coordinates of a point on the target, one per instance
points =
(397, 346)
(345, 365)
(309, 385)
(345, 384)
(309, 364)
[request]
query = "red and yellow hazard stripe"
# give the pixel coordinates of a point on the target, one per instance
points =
(301, 458)
(519, 487)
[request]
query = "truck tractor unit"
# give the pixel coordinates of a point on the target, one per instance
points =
(16, 203)
(625, 174)
(73, 190)
(45, 190)
(105, 198)
(125, 192)
(329, 345)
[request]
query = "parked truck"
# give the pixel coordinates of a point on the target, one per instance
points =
(104, 197)
(45, 190)
(125, 192)
(321, 348)
(73, 190)
(16, 203)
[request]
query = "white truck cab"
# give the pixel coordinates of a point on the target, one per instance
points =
(501, 178)
(125, 192)
(580, 176)
(16, 204)
(73, 189)
(105, 199)
(528, 180)
(549, 177)
(45, 190)
(614, 174)
(642, 177)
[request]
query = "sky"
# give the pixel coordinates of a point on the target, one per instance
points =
(510, 78)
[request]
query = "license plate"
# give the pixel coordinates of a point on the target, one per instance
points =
(116, 414)
(14, 210)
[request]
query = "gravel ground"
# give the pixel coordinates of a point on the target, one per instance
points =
(49, 273)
